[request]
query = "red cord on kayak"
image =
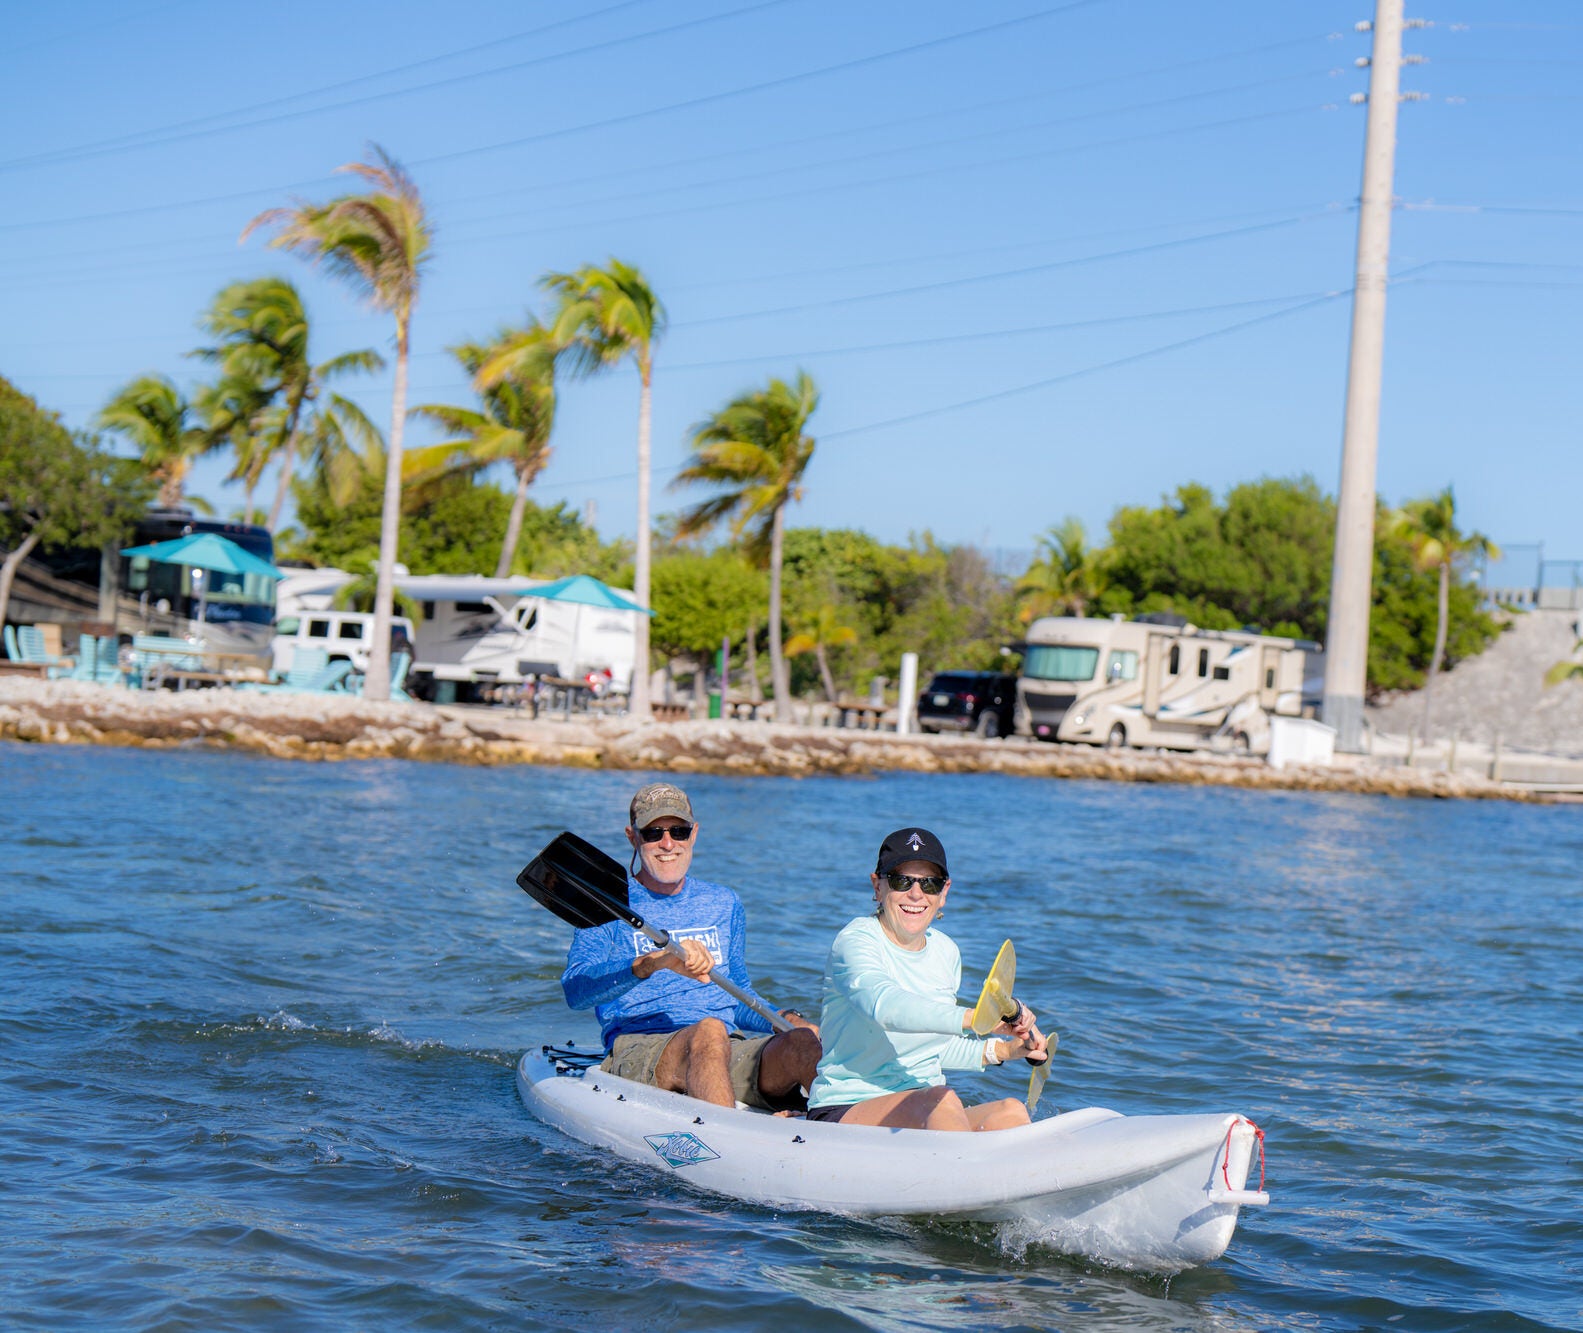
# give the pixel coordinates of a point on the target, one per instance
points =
(1225, 1156)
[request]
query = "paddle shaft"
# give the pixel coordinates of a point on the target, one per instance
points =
(663, 939)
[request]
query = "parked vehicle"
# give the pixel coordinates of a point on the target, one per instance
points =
(342, 635)
(222, 613)
(1157, 681)
(979, 701)
(475, 635)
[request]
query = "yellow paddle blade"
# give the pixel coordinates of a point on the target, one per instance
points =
(1039, 1076)
(995, 1004)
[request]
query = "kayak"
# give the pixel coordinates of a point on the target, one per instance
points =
(1156, 1192)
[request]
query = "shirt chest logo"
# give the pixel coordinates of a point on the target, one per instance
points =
(708, 936)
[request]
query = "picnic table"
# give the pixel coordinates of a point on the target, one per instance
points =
(178, 663)
(552, 693)
(742, 709)
(860, 713)
(39, 670)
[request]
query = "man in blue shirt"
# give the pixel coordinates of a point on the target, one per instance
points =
(664, 1023)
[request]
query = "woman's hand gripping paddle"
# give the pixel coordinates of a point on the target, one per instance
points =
(584, 887)
(997, 1005)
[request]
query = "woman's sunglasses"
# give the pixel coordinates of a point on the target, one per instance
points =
(678, 832)
(900, 883)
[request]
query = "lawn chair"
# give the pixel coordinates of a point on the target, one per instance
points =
(155, 654)
(31, 647)
(13, 649)
(308, 667)
(98, 661)
(400, 664)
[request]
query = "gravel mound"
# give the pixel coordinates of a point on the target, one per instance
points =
(1502, 692)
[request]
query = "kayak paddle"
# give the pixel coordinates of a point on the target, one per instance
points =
(584, 887)
(996, 1004)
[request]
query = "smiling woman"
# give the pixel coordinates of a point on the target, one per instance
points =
(891, 1024)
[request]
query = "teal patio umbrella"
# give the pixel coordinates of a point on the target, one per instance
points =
(208, 551)
(586, 590)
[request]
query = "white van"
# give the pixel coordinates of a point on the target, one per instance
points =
(342, 634)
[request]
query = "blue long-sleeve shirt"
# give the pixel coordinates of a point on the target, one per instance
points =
(599, 975)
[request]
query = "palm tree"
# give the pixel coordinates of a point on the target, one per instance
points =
(1067, 577)
(237, 412)
(378, 242)
(345, 449)
(514, 426)
(261, 332)
(1430, 526)
(156, 418)
(603, 317)
(826, 630)
(755, 448)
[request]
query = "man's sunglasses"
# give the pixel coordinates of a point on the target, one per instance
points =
(678, 832)
(900, 883)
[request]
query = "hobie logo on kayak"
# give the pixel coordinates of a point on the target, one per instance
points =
(681, 1149)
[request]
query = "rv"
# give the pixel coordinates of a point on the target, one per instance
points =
(1146, 682)
(474, 633)
(223, 613)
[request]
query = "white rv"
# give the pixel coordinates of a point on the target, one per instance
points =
(1129, 682)
(478, 631)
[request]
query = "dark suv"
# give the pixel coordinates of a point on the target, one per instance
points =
(980, 701)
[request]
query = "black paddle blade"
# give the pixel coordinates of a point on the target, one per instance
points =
(577, 882)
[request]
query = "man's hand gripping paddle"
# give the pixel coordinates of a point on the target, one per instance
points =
(997, 1005)
(584, 887)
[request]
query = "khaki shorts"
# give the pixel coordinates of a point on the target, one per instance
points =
(635, 1056)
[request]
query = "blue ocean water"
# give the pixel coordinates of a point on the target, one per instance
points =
(259, 1021)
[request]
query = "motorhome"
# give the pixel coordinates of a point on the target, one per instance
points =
(220, 612)
(474, 633)
(1156, 681)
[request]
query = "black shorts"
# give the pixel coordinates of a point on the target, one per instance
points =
(831, 1114)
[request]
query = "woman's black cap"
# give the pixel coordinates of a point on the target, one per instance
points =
(910, 844)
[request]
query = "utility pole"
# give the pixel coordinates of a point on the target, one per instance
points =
(1347, 635)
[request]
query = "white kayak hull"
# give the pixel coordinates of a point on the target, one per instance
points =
(1160, 1193)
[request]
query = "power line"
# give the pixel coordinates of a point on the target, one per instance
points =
(75, 33)
(143, 138)
(981, 399)
(951, 339)
(846, 132)
(1020, 272)
(756, 149)
(841, 66)
(33, 267)
(922, 173)
(783, 81)
(870, 155)
(1015, 391)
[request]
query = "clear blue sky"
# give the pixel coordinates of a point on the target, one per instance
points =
(987, 231)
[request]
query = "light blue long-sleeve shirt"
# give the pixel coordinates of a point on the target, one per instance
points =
(599, 976)
(890, 1022)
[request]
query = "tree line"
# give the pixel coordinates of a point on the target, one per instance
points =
(830, 609)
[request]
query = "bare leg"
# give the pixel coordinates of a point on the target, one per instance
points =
(1007, 1114)
(697, 1061)
(923, 1108)
(788, 1061)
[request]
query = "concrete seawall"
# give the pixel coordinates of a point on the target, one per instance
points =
(327, 728)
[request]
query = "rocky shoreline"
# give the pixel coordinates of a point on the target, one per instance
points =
(324, 728)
